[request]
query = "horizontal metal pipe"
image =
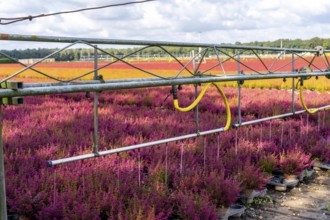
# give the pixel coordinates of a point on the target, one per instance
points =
(34, 91)
(277, 116)
(203, 133)
(232, 78)
(118, 150)
(51, 163)
(270, 118)
(54, 39)
(86, 82)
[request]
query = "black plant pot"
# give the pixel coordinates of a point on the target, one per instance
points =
(277, 172)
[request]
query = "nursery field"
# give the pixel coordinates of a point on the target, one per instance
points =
(170, 68)
(192, 179)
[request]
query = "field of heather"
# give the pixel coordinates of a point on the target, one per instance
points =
(191, 179)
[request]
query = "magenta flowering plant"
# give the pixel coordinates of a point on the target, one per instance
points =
(222, 190)
(244, 167)
(321, 150)
(252, 177)
(268, 162)
(294, 161)
(188, 205)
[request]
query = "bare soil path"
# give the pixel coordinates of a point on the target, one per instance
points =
(309, 200)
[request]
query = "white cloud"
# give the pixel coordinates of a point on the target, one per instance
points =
(215, 21)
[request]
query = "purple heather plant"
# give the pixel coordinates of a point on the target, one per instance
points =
(268, 162)
(321, 150)
(188, 205)
(252, 176)
(294, 161)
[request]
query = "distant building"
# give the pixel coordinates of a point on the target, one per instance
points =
(34, 60)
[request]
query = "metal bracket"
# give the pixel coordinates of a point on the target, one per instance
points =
(174, 92)
(319, 50)
(12, 101)
(100, 77)
(305, 69)
(198, 73)
(14, 85)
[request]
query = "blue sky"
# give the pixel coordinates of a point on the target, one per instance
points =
(211, 21)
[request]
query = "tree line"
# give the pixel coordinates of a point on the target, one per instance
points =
(77, 54)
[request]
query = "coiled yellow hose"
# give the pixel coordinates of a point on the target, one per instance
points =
(198, 99)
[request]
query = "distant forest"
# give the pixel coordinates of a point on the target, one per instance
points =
(85, 54)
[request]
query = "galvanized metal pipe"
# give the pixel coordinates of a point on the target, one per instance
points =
(85, 82)
(51, 163)
(196, 109)
(35, 91)
(239, 90)
(293, 88)
(196, 93)
(224, 79)
(272, 118)
(96, 106)
(118, 150)
(57, 39)
(239, 104)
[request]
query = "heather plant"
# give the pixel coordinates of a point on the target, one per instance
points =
(223, 191)
(294, 161)
(247, 172)
(268, 162)
(321, 150)
(192, 206)
(252, 176)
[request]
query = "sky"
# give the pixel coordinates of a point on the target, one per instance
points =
(206, 21)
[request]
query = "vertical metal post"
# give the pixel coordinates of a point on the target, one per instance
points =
(196, 110)
(293, 109)
(239, 90)
(3, 204)
(196, 94)
(96, 115)
(194, 61)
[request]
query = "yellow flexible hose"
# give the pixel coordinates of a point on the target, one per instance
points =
(198, 99)
(312, 110)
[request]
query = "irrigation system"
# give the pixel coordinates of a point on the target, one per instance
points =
(12, 92)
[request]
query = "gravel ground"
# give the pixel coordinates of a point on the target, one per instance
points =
(308, 200)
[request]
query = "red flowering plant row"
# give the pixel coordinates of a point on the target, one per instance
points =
(183, 180)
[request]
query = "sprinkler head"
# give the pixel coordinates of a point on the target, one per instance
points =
(305, 69)
(319, 50)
